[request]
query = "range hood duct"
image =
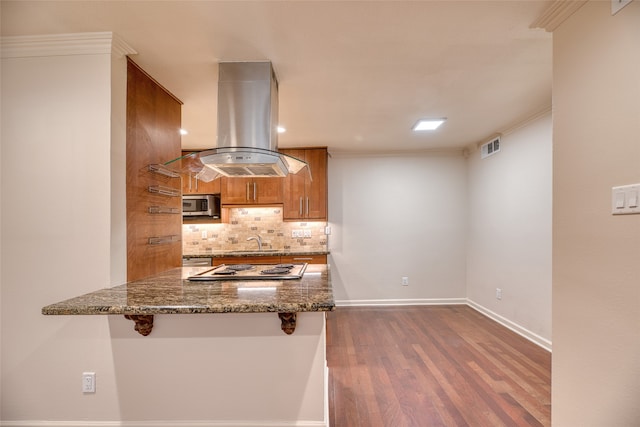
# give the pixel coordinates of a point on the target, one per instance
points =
(247, 140)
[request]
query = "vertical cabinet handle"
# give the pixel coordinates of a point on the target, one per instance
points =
(307, 206)
(248, 198)
(255, 191)
(189, 182)
(300, 205)
(196, 183)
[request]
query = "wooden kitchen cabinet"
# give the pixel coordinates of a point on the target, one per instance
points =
(271, 259)
(309, 259)
(305, 199)
(251, 191)
(192, 185)
(231, 260)
(154, 223)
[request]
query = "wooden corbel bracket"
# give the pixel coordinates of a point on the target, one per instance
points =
(144, 322)
(288, 322)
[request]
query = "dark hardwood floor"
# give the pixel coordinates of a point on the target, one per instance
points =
(433, 366)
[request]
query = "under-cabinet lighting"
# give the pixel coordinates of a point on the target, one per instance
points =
(281, 129)
(183, 132)
(428, 124)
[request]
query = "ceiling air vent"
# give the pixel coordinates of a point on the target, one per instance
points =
(490, 148)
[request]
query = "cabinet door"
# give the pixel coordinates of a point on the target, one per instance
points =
(231, 260)
(192, 185)
(293, 198)
(153, 241)
(251, 191)
(303, 198)
(268, 191)
(316, 191)
(309, 259)
(236, 191)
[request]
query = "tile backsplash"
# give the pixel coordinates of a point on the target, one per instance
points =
(203, 239)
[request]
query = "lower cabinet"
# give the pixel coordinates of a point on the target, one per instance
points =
(230, 260)
(309, 259)
(271, 259)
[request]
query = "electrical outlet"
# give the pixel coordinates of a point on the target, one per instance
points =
(88, 382)
(327, 230)
(405, 281)
(296, 233)
(498, 293)
(307, 233)
(204, 234)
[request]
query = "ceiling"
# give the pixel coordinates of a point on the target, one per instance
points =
(353, 75)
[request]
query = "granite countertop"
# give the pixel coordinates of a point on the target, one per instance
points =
(264, 252)
(171, 293)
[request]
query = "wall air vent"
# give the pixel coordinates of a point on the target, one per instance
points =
(490, 148)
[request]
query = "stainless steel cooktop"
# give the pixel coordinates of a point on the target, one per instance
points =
(252, 272)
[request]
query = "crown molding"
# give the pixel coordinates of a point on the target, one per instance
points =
(64, 45)
(556, 13)
(428, 152)
(542, 112)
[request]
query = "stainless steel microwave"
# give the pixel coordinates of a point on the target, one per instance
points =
(201, 205)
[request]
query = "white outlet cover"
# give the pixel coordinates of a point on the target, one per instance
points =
(88, 382)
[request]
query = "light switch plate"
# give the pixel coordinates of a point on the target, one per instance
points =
(625, 200)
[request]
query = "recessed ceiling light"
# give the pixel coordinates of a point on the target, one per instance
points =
(281, 129)
(183, 132)
(428, 124)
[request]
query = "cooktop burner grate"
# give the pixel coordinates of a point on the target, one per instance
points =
(276, 270)
(239, 267)
(252, 272)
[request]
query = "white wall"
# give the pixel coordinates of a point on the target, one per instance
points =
(394, 216)
(58, 143)
(509, 241)
(596, 256)
(55, 230)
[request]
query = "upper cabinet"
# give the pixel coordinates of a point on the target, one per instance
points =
(192, 185)
(306, 199)
(251, 191)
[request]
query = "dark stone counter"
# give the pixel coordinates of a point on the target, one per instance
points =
(171, 293)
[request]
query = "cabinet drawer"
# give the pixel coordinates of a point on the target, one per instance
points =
(269, 259)
(310, 259)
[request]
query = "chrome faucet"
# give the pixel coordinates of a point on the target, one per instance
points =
(258, 239)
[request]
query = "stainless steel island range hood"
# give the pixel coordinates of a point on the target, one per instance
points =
(247, 140)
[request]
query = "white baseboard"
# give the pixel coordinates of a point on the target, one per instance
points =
(395, 302)
(534, 338)
(163, 424)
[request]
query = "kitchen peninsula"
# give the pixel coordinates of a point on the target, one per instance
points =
(171, 292)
